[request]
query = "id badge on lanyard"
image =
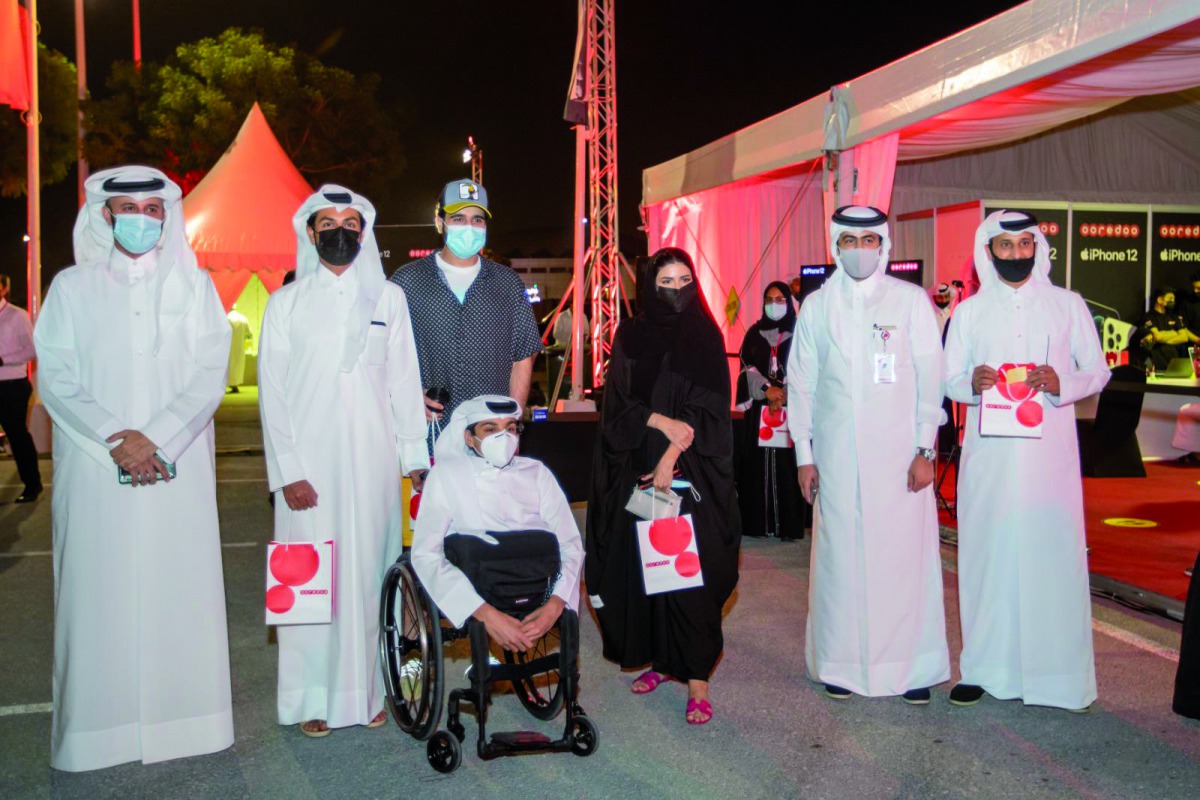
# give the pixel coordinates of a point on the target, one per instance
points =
(885, 362)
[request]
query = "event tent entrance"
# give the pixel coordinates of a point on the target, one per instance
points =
(1056, 103)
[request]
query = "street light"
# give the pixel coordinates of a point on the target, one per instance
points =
(473, 155)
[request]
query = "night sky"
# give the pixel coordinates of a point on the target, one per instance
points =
(687, 73)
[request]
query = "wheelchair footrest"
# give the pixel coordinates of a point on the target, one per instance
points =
(520, 739)
(513, 742)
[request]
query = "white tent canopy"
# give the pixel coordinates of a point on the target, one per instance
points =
(1092, 100)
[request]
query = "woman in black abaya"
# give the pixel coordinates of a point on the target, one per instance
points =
(666, 407)
(767, 489)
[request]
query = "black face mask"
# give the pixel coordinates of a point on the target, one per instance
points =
(1013, 270)
(941, 303)
(338, 246)
(1169, 306)
(677, 299)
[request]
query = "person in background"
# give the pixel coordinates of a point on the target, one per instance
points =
(1190, 303)
(240, 336)
(796, 288)
(1024, 597)
(666, 409)
(474, 327)
(943, 297)
(864, 404)
(132, 346)
(16, 351)
(770, 501)
(1164, 334)
(342, 419)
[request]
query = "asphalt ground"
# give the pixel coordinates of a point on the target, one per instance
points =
(774, 734)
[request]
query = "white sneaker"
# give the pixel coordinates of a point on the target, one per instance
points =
(495, 662)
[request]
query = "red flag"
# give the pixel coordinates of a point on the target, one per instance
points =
(14, 55)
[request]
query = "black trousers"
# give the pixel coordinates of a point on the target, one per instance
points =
(14, 406)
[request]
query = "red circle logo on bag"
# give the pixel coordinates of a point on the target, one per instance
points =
(688, 564)
(670, 536)
(1029, 413)
(765, 433)
(1017, 390)
(294, 564)
(280, 599)
(773, 418)
(414, 505)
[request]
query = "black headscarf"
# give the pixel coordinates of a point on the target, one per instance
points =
(788, 321)
(691, 337)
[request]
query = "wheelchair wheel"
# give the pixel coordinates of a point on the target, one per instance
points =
(541, 694)
(410, 643)
(443, 752)
(585, 736)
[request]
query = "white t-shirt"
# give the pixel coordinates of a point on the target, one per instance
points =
(459, 279)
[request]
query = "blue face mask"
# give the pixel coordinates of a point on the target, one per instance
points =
(465, 241)
(137, 233)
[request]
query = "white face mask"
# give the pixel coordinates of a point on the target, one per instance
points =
(499, 449)
(860, 263)
(776, 311)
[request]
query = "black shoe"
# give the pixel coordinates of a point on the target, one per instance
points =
(966, 694)
(28, 496)
(916, 697)
(837, 692)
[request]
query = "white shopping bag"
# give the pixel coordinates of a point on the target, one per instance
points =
(773, 428)
(1012, 408)
(670, 558)
(299, 582)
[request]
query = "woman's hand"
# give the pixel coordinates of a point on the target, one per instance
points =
(776, 398)
(664, 473)
(678, 433)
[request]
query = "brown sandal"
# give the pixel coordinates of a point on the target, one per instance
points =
(380, 719)
(316, 734)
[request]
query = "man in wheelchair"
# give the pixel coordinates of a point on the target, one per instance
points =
(495, 538)
(495, 548)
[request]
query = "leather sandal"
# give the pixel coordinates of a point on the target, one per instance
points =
(650, 679)
(703, 706)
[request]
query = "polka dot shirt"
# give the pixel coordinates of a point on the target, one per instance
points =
(468, 348)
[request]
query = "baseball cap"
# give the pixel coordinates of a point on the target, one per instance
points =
(459, 194)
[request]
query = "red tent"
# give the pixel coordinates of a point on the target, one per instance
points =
(239, 218)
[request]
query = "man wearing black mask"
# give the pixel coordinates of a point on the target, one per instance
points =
(1164, 333)
(342, 417)
(1024, 600)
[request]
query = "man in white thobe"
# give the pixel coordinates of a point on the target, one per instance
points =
(342, 413)
(239, 328)
(864, 400)
(132, 348)
(479, 486)
(1022, 565)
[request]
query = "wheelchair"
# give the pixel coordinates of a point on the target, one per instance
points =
(412, 633)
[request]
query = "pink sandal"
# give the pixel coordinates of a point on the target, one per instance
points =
(650, 679)
(703, 706)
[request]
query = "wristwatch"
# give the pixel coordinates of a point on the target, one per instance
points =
(927, 453)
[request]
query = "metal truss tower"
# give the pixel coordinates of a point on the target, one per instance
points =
(604, 257)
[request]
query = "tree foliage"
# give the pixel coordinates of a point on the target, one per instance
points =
(59, 107)
(182, 115)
